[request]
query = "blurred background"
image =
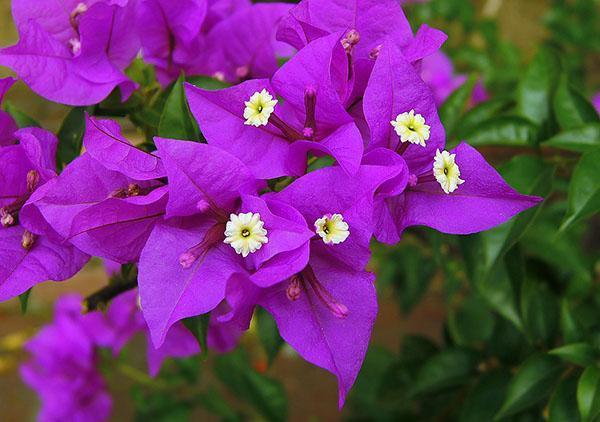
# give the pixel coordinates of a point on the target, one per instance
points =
(425, 285)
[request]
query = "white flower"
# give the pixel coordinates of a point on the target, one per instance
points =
(446, 171)
(332, 229)
(245, 233)
(411, 127)
(259, 108)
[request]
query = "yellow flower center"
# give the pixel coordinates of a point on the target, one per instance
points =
(411, 127)
(259, 108)
(245, 233)
(332, 229)
(446, 171)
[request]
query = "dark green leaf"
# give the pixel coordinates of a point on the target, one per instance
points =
(563, 404)
(539, 310)
(588, 394)
(24, 300)
(268, 334)
(455, 104)
(536, 88)
(505, 131)
(214, 402)
(582, 139)
(266, 395)
(198, 326)
(571, 329)
(472, 324)
(417, 348)
(176, 121)
(479, 114)
(532, 383)
(578, 353)
(20, 118)
(448, 368)
(584, 190)
(486, 397)
(529, 175)
(70, 136)
(572, 109)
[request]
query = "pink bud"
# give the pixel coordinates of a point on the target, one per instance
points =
(28, 240)
(375, 52)
(412, 180)
(33, 178)
(6, 218)
(242, 72)
(350, 40)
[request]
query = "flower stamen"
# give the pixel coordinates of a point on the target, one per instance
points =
(332, 229)
(446, 171)
(411, 127)
(245, 233)
(259, 108)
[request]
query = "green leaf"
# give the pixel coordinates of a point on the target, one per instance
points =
(529, 175)
(588, 394)
(563, 403)
(572, 110)
(532, 383)
(198, 326)
(268, 334)
(20, 118)
(24, 300)
(578, 353)
(266, 395)
(205, 82)
(584, 190)
(417, 348)
(539, 311)
(410, 272)
(448, 368)
(582, 139)
(571, 329)
(176, 121)
(504, 131)
(477, 115)
(472, 324)
(70, 136)
(485, 398)
(456, 103)
(536, 88)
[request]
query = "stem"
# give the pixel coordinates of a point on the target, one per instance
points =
(102, 297)
(289, 132)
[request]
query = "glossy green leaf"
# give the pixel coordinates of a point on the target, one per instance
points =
(588, 394)
(448, 368)
(70, 136)
(536, 88)
(455, 104)
(176, 121)
(578, 353)
(572, 110)
(266, 395)
(485, 398)
(584, 190)
(504, 131)
(582, 139)
(24, 301)
(533, 382)
(198, 326)
(20, 118)
(563, 403)
(268, 334)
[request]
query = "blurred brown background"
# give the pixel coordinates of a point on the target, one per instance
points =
(312, 392)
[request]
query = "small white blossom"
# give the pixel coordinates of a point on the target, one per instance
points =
(332, 229)
(411, 127)
(259, 108)
(446, 171)
(245, 233)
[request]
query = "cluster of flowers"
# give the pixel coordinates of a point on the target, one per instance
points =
(65, 356)
(239, 221)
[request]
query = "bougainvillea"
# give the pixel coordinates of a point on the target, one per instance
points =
(273, 202)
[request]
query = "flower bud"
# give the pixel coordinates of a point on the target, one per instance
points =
(294, 289)
(28, 240)
(33, 178)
